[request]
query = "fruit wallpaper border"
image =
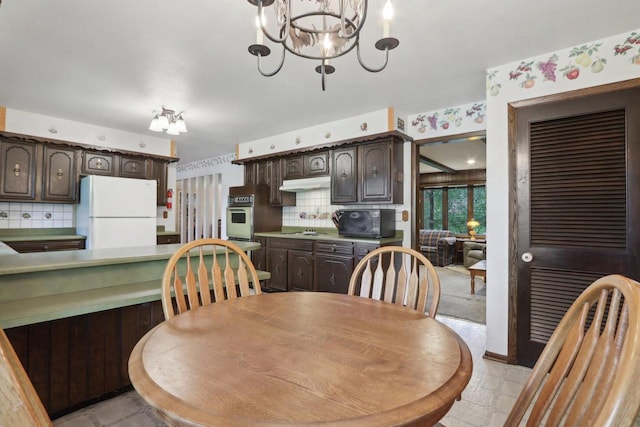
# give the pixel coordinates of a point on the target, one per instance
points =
(569, 66)
(459, 119)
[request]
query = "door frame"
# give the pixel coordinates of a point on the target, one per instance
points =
(513, 191)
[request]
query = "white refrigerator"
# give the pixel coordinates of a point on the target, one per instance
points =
(117, 212)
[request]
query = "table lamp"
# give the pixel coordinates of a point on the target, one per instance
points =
(473, 224)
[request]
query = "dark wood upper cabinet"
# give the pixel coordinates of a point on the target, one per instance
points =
(316, 164)
(343, 176)
(60, 174)
(97, 163)
(263, 173)
(277, 197)
(368, 173)
(18, 175)
(133, 167)
(293, 167)
(159, 173)
(374, 172)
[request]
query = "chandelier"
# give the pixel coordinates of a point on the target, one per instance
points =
(168, 121)
(321, 33)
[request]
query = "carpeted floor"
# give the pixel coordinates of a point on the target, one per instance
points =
(456, 299)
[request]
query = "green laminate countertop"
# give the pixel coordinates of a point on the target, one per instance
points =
(36, 234)
(59, 260)
(44, 286)
(328, 236)
(6, 250)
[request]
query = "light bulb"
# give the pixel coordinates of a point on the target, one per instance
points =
(155, 124)
(387, 15)
(173, 129)
(181, 126)
(163, 121)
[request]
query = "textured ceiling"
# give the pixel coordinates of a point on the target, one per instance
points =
(113, 63)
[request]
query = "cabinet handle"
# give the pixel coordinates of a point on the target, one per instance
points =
(375, 171)
(333, 248)
(16, 170)
(59, 174)
(277, 269)
(300, 275)
(134, 167)
(332, 279)
(344, 175)
(99, 164)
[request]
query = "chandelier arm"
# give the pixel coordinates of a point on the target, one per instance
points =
(323, 76)
(360, 24)
(373, 70)
(286, 27)
(273, 73)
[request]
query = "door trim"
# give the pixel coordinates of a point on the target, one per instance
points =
(513, 199)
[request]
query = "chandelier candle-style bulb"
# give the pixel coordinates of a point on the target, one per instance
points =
(387, 15)
(259, 33)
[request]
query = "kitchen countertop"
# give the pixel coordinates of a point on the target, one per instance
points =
(43, 286)
(45, 261)
(321, 236)
(36, 234)
(6, 250)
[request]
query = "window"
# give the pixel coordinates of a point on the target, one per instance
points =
(462, 203)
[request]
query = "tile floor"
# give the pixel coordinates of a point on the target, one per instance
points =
(486, 401)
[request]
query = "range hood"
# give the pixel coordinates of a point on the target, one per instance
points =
(305, 184)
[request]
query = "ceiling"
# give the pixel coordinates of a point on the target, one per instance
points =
(113, 63)
(453, 154)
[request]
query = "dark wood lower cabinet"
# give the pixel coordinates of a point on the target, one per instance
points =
(333, 273)
(79, 360)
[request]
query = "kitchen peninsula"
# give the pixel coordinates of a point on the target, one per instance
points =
(74, 316)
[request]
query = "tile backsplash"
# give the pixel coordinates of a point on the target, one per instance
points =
(313, 210)
(36, 215)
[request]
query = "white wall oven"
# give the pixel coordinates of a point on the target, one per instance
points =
(240, 217)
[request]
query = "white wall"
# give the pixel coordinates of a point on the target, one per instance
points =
(39, 125)
(230, 176)
(596, 63)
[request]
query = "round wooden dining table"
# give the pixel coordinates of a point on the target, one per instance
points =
(301, 358)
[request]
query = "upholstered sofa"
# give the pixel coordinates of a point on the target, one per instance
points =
(438, 246)
(473, 252)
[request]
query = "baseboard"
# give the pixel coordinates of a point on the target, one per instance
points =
(496, 357)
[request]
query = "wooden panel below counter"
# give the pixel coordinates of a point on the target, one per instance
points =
(78, 360)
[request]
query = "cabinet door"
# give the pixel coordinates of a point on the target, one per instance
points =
(333, 273)
(293, 167)
(159, 173)
(60, 174)
(259, 256)
(277, 263)
(17, 178)
(374, 167)
(131, 167)
(95, 163)
(300, 277)
(316, 164)
(250, 174)
(343, 176)
(277, 197)
(263, 173)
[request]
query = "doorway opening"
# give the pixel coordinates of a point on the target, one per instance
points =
(450, 193)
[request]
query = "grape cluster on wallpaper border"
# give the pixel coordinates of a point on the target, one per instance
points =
(580, 59)
(454, 116)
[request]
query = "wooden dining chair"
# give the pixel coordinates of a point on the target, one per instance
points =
(213, 279)
(589, 371)
(19, 402)
(406, 281)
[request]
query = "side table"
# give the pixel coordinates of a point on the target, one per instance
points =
(478, 269)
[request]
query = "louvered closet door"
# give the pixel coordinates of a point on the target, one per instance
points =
(578, 191)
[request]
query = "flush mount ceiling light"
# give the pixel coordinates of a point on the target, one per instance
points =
(317, 31)
(168, 121)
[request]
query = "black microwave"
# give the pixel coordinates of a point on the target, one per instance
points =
(370, 223)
